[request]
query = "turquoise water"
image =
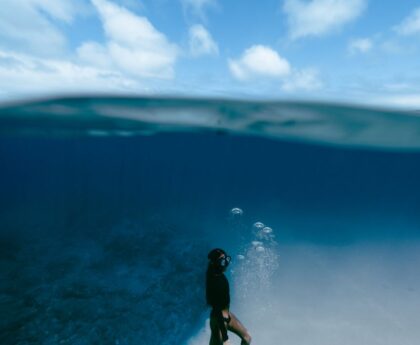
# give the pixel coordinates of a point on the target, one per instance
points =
(108, 207)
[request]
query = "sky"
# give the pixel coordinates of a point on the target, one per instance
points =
(362, 51)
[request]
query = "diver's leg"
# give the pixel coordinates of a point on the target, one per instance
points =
(213, 340)
(216, 334)
(238, 328)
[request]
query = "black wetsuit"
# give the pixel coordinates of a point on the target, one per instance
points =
(218, 297)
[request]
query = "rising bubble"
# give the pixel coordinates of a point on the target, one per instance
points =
(259, 249)
(267, 230)
(236, 211)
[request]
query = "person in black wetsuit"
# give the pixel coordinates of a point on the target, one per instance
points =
(218, 297)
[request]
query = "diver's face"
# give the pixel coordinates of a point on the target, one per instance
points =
(223, 261)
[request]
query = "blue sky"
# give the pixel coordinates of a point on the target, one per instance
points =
(366, 51)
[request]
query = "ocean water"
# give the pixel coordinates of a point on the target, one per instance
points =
(109, 205)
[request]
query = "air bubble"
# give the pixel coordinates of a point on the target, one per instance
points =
(258, 225)
(260, 249)
(236, 211)
(240, 257)
(267, 230)
(256, 243)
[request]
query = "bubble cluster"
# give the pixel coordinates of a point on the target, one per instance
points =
(257, 263)
(258, 256)
(264, 233)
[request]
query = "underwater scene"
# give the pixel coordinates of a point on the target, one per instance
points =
(110, 205)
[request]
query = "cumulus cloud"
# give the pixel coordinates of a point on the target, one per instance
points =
(29, 25)
(32, 46)
(319, 17)
(201, 42)
(360, 45)
(95, 54)
(22, 74)
(64, 10)
(134, 45)
(410, 25)
(263, 63)
(259, 61)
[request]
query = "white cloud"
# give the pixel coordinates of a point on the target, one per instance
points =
(262, 62)
(411, 24)
(303, 80)
(134, 44)
(29, 25)
(31, 50)
(64, 10)
(360, 45)
(319, 17)
(94, 54)
(259, 61)
(21, 74)
(201, 42)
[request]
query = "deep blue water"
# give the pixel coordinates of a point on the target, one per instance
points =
(104, 239)
(204, 176)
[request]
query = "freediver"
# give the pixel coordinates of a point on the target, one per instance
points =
(218, 297)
